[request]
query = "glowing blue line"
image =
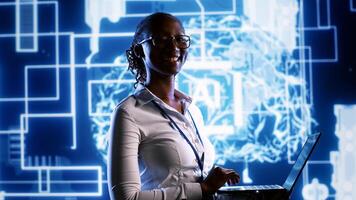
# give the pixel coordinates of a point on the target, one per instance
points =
(89, 35)
(10, 132)
(318, 162)
(47, 115)
(48, 180)
(20, 99)
(18, 20)
(54, 168)
(77, 65)
(233, 11)
(39, 34)
(17, 23)
(56, 29)
(62, 194)
(328, 11)
(336, 45)
(54, 181)
(89, 98)
(35, 24)
(202, 30)
(35, 35)
(186, 13)
(309, 52)
(72, 91)
(318, 12)
(100, 181)
(352, 8)
(63, 168)
(22, 139)
(223, 65)
(39, 182)
(14, 99)
(130, 34)
(25, 3)
(306, 174)
(26, 100)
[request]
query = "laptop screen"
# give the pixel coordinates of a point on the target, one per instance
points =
(301, 160)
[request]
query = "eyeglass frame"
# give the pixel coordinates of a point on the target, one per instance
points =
(173, 38)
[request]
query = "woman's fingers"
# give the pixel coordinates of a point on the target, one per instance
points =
(233, 181)
(224, 175)
(231, 176)
(236, 180)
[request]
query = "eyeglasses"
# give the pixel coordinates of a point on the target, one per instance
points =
(181, 41)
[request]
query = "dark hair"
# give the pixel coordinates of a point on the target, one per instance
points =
(144, 28)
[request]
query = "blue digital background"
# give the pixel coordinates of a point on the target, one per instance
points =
(265, 74)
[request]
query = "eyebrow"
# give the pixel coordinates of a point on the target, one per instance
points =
(160, 35)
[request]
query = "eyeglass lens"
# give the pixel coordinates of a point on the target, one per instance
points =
(181, 41)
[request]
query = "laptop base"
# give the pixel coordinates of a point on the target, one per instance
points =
(277, 194)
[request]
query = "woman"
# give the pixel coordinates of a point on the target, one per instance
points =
(156, 150)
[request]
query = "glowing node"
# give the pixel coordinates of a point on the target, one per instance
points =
(315, 191)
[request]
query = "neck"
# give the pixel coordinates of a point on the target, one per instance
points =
(162, 86)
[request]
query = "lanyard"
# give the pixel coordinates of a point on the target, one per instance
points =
(199, 160)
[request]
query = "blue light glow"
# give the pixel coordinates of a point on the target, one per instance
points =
(249, 71)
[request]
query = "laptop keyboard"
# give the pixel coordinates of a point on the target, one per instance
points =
(251, 187)
(261, 187)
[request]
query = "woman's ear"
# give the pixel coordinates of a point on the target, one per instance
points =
(138, 51)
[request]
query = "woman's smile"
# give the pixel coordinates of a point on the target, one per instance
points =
(171, 59)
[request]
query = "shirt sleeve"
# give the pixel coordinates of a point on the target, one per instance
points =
(123, 169)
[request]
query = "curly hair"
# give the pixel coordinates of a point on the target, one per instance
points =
(143, 30)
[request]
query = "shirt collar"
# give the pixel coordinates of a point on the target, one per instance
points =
(144, 96)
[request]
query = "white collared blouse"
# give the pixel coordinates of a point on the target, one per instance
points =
(148, 158)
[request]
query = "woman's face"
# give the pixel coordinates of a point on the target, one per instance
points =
(164, 58)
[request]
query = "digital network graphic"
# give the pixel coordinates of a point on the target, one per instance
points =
(249, 71)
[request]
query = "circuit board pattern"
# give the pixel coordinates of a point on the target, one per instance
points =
(249, 72)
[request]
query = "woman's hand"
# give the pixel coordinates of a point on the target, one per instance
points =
(217, 177)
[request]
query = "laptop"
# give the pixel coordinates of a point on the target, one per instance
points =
(272, 191)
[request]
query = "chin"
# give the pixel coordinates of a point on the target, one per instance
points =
(171, 70)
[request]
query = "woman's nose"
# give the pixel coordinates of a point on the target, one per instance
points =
(172, 44)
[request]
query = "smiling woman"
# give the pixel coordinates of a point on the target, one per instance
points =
(161, 35)
(156, 150)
